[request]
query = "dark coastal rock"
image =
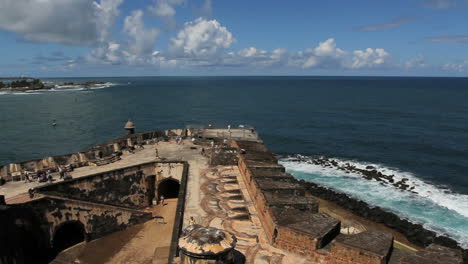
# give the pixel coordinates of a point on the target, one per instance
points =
(415, 233)
(369, 173)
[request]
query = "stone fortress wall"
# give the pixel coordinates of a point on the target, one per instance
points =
(109, 201)
(100, 203)
(292, 221)
(96, 155)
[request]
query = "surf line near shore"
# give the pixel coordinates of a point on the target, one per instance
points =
(401, 193)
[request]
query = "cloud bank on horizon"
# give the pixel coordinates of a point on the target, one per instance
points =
(154, 37)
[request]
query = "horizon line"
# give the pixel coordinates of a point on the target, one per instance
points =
(354, 76)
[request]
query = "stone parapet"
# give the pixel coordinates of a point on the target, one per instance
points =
(369, 247)
(291, 220)
(435, 254)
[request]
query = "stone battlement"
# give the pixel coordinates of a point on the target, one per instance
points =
(291, 219)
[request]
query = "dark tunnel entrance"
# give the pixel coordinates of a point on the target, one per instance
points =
(169, 188)
(68, 234)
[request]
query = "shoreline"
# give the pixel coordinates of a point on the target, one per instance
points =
(415, 234)
(49, 87)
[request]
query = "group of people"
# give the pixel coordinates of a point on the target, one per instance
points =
(46, 176)
(42, 176)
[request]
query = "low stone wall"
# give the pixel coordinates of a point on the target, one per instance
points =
(27, 230)
(122, 187)
(179, 218)
(81, 158)
(373, 248)
(98, 219)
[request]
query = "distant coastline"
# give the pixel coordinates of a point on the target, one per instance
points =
(25, 84)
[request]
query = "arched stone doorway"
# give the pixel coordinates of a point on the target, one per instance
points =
(68, 234)
(169, 188)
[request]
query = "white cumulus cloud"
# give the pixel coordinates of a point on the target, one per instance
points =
(369, 58)
(165, 10)
(138, 49)
(71, 22)
(106, 13)
(143, 39)
(328, 48)
(201, 39)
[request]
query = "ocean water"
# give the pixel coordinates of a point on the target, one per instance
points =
(415, 128)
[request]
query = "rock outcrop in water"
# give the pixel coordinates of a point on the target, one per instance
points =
(81, 84)
(369, 173)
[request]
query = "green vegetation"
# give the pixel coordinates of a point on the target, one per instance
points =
(34, 84)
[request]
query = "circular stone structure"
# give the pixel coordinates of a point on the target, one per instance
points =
(130, 127)
(206, 245)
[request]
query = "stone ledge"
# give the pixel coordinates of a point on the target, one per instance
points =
(435, 254)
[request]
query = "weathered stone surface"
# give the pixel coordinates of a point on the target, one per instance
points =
(122, 187)
(435, 254)
(316, 226)
(366, 247)
(250, 146)
(302, 203)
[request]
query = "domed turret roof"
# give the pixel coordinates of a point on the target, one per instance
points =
(206, 241)
(129, 124)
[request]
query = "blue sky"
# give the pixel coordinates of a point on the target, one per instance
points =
(220, 37)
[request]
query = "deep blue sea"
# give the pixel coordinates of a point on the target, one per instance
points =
(415, 128)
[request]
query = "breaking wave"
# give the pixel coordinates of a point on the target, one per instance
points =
(435, 207)
(63, 88)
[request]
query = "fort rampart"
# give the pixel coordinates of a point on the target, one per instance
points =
(96, 155)
(291, 219)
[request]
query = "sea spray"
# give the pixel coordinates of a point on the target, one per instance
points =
(436, 209)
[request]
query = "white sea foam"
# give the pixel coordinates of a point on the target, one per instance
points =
(24, 93)
(438, 209)
(63, 88)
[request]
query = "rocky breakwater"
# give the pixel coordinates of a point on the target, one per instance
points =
(368, 173)
(414, 232)
(81, 84)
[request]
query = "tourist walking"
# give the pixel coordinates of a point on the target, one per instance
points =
(162, 200)
(49, 176)
(26, 177)
(61, 172)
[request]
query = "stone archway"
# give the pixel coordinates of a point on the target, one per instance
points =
(68, 234)
(169, 188)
